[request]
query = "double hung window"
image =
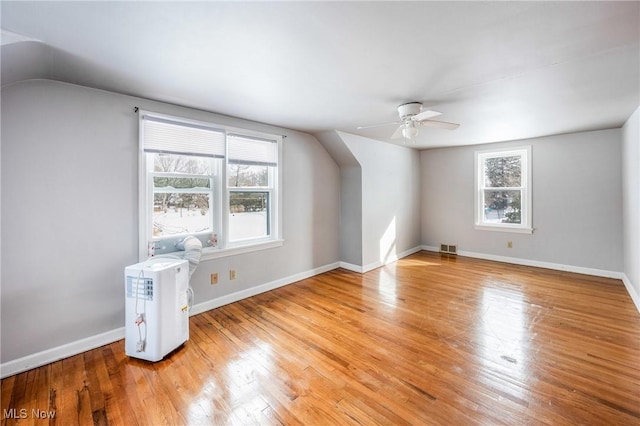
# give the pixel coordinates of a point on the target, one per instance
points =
(251, 170)
(217, 183)
(503, 190)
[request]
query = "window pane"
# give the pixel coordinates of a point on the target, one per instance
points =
(239, 175)
(502, 172)
(181, 164)
(502, 206)
(181, 183)
(249, 215)
(180, 213)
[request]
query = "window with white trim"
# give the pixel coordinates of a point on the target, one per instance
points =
(503, 190)
(214, 182)
(251, 175)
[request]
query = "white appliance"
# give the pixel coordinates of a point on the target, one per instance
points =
(156, 308)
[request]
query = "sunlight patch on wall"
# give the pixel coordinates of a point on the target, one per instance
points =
(388, 243)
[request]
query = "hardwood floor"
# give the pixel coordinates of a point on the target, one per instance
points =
(427, 340)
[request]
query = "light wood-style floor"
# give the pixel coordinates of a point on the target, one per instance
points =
(428, 340)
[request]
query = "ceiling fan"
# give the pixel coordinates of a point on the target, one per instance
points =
(413, 116)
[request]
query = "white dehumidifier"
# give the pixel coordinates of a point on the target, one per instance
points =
(156, 308)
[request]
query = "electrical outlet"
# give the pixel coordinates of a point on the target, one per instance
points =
(214, 278)
(509, 244)
(232, 274)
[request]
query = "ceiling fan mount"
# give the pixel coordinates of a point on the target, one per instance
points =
(408, 110)
(412, 115)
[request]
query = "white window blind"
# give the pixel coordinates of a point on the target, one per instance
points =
(252, 151)
(170, 137)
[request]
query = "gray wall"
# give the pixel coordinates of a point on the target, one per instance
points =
(70, 220)
(390, 198)
(631, 200)
(380, 198)
(577, 201)
(350, 197)
(351, 215)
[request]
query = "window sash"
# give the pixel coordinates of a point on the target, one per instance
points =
(160, 223)
(181, 175)
(169, 190)
(271, 219)
(268, 210)
(505, 211)
(525, 190)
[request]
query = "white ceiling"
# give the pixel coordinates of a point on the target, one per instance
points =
(503, 70)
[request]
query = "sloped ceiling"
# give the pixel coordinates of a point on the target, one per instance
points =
(503, 70)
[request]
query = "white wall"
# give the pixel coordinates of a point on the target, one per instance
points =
(577, 202)
(631, 204)
(70, 220)
(390, 199)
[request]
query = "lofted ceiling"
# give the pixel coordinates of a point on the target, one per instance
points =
(503, 70)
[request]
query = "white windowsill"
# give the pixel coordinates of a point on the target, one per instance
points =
(215, 253)
(504, 229)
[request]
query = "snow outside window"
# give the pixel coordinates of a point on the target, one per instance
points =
(251, 178)
(216, 183)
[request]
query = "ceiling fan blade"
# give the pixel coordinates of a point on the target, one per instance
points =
(398, 133)
(378, 125)
(425, 115)
(439, 124)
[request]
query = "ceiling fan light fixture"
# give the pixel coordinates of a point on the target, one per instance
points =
(412, 116)
(410, 130)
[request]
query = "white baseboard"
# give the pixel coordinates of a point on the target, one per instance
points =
(64, 351)
(632, 291)
(374, 265)
(243, 294)
(555, 266)
(352, 267)
(47, 356)
(391, 259)
(536, 263)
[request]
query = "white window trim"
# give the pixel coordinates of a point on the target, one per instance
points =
(224, 248)
(526, 207)
(209, 253)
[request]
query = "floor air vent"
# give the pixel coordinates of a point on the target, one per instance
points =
(448, 249)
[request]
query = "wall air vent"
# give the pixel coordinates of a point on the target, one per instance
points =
(448, 248)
